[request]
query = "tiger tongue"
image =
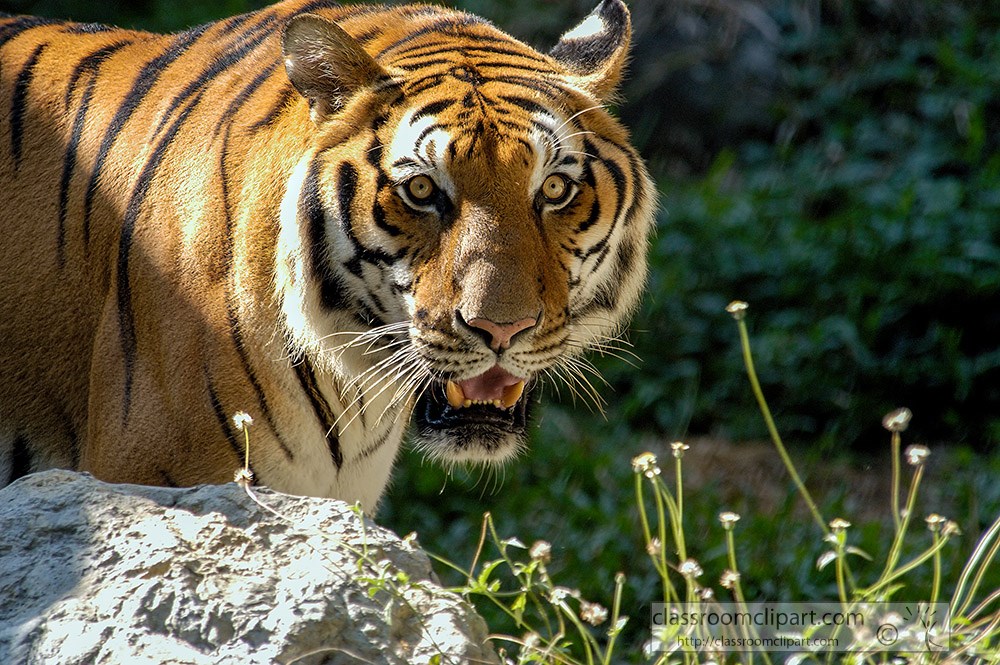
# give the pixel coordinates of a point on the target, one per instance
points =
(496, 386)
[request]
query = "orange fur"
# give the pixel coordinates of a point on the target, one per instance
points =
(195, 223)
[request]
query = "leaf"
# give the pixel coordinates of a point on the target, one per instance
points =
(857, 551)
(825, 559)
(519, 605)
(482, 582)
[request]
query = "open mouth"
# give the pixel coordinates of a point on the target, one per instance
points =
(495, 400)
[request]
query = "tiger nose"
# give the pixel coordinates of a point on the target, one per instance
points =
(498, 335)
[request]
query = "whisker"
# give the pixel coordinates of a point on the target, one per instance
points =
(577, 115)
(371, 378)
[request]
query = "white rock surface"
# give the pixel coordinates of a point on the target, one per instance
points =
(99, 573)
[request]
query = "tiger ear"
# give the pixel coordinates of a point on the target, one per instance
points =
(595, 51)
(325, 64)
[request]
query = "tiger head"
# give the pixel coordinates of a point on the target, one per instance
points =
(493, 229)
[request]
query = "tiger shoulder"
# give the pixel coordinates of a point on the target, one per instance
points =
(354, 224)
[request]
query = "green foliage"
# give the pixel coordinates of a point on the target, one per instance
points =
(575, 490)
(865, 237)
(690, 546)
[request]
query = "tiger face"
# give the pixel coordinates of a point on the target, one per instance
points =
(496, 230)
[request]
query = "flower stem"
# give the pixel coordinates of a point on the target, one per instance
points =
(772, 428)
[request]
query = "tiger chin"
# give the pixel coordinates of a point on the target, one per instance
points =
(351, 223)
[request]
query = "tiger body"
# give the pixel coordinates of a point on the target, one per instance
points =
(327, 217)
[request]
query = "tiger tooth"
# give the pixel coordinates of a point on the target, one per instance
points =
(456, 398)
(511, 394)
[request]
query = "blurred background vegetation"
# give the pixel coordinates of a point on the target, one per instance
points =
(832, 162)
(835, 163)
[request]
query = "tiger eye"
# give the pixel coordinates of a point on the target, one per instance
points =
(420, 187)
(554, 188)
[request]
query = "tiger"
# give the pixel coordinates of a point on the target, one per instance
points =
(353, 226)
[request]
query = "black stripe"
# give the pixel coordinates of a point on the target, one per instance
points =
(226, 207)
(265, 409)
(368, 35)
(443, 26)
(378, 445)
(625, 261)
(144, 81)
(529, 105)
(19, 101)
(427, 131)
(243, 96)
(592, 217)
(20, 458)
(347, 186)
(618, 176)
(606, 298)
(233, 23)
(333, 292)
(638, 184)
(539, 85)
(288, 93)
(244, 46)
(533, 67)
(22, 24)
(238, 446)
(414, 87)
(432, 109)
(321, 408)
(126, 314)
(69, 164)
(424, 64)
(90, 64)
(425, 53)
(374, 157)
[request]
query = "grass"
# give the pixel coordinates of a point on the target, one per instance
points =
(663, 538)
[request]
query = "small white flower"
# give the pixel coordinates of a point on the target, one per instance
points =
(916, 455)
(951, 528)
(729, 579)
(839, 524)
(646, 465)
(593, 613)
(242, 420)
(243, 477)
(690, 568)
(935, 522)
(654, 547)
(541, 551)
(560, 593)
(898, 420)
(738, 309)
(728, 519)
(678, 448)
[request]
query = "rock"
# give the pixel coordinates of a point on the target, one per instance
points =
(99, 573)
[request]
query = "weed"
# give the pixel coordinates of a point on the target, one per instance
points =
(553, 618)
